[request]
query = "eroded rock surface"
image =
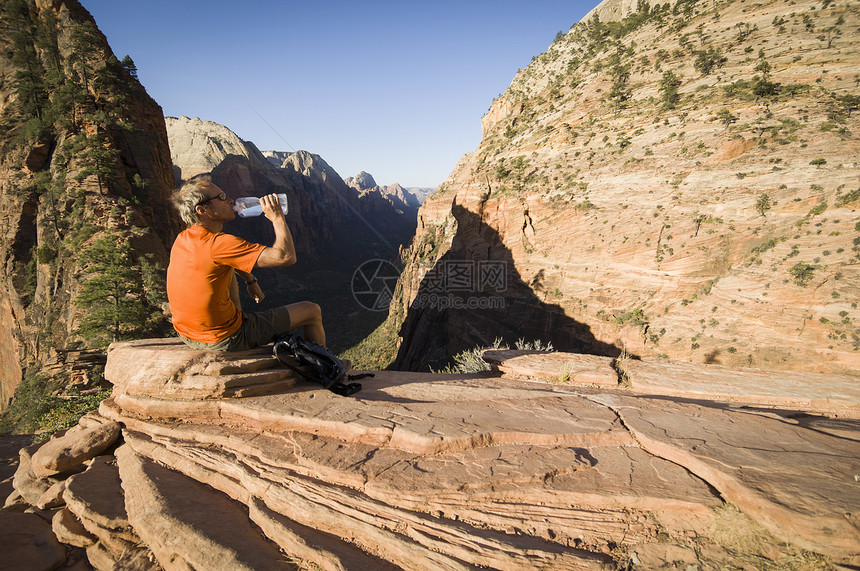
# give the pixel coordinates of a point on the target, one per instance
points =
(173, 370)
(186, 523)
(28, 543)
(549, 466)
(90, 437)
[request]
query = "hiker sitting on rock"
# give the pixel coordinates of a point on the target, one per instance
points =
(201, 279)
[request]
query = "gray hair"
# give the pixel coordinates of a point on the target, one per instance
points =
(188, 197)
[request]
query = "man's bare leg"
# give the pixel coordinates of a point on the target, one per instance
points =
(308, 315)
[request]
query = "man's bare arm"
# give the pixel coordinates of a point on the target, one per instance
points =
(234, 293)
(283, 251)
(254, 289)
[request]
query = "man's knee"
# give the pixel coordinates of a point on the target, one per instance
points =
(314, 311)
(305, 312)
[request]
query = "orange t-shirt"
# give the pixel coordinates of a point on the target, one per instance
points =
(198, 282)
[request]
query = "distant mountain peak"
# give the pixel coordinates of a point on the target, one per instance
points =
(198, 146)
(361, 181)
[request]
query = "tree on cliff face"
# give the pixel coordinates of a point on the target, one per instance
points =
(29, 77)
(669, 88)
(129, 66)
(82, 38)
(47, 41)
(81, 150)
(122, 298)
(97, 157)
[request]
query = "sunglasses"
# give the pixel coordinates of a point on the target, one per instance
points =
(219, 196)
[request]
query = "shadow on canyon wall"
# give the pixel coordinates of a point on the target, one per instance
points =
(474, 295)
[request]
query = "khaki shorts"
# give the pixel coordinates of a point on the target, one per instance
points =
(258, 328)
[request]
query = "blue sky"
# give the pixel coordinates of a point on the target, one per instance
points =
(394, 88)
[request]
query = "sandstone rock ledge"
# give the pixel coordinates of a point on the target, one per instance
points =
(226, 462)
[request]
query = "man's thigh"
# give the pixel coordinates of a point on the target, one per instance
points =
(262, 327)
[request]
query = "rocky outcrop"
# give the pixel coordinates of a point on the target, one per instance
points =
(613, 11)
(197, 147)
(361, 181)
(551, 464)
(83, 157)
(675, 181)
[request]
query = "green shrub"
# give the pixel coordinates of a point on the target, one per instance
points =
(66, 413)
(636, 317)
(472, 361)
(817, 209)
(852, 196)
(36, 406)
(46, 254)
(31, 401)
(376, 351)
(761, 248)
(802, 273)
(762, 203)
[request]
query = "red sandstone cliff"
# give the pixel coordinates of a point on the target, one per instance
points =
(83, 155)
(680, 183)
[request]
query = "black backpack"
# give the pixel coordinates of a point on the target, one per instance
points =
(330, 371)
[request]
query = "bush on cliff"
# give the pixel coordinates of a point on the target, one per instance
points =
(42, 405)
(472, 360)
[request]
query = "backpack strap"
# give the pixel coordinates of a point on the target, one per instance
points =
(344, 389)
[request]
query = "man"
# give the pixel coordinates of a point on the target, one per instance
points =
(201, 279)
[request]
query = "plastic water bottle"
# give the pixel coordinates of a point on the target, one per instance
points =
(249, 206)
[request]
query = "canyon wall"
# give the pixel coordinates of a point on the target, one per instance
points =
(680, 181)
(83, 161)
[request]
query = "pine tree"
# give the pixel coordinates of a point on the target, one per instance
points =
(129, 66)
(669, 86)
(29, 79)
(82, 38)
(47, 33)
(762, 203)
(762, 85)
(96, 155)
(123, 299)
(726, 118)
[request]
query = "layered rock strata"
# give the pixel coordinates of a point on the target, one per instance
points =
(674, 180)
(550, 465)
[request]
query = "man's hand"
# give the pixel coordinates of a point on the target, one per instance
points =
(255, 292)
(283, 252)
(271, 207)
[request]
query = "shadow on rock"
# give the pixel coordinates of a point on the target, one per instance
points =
(474, 295)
